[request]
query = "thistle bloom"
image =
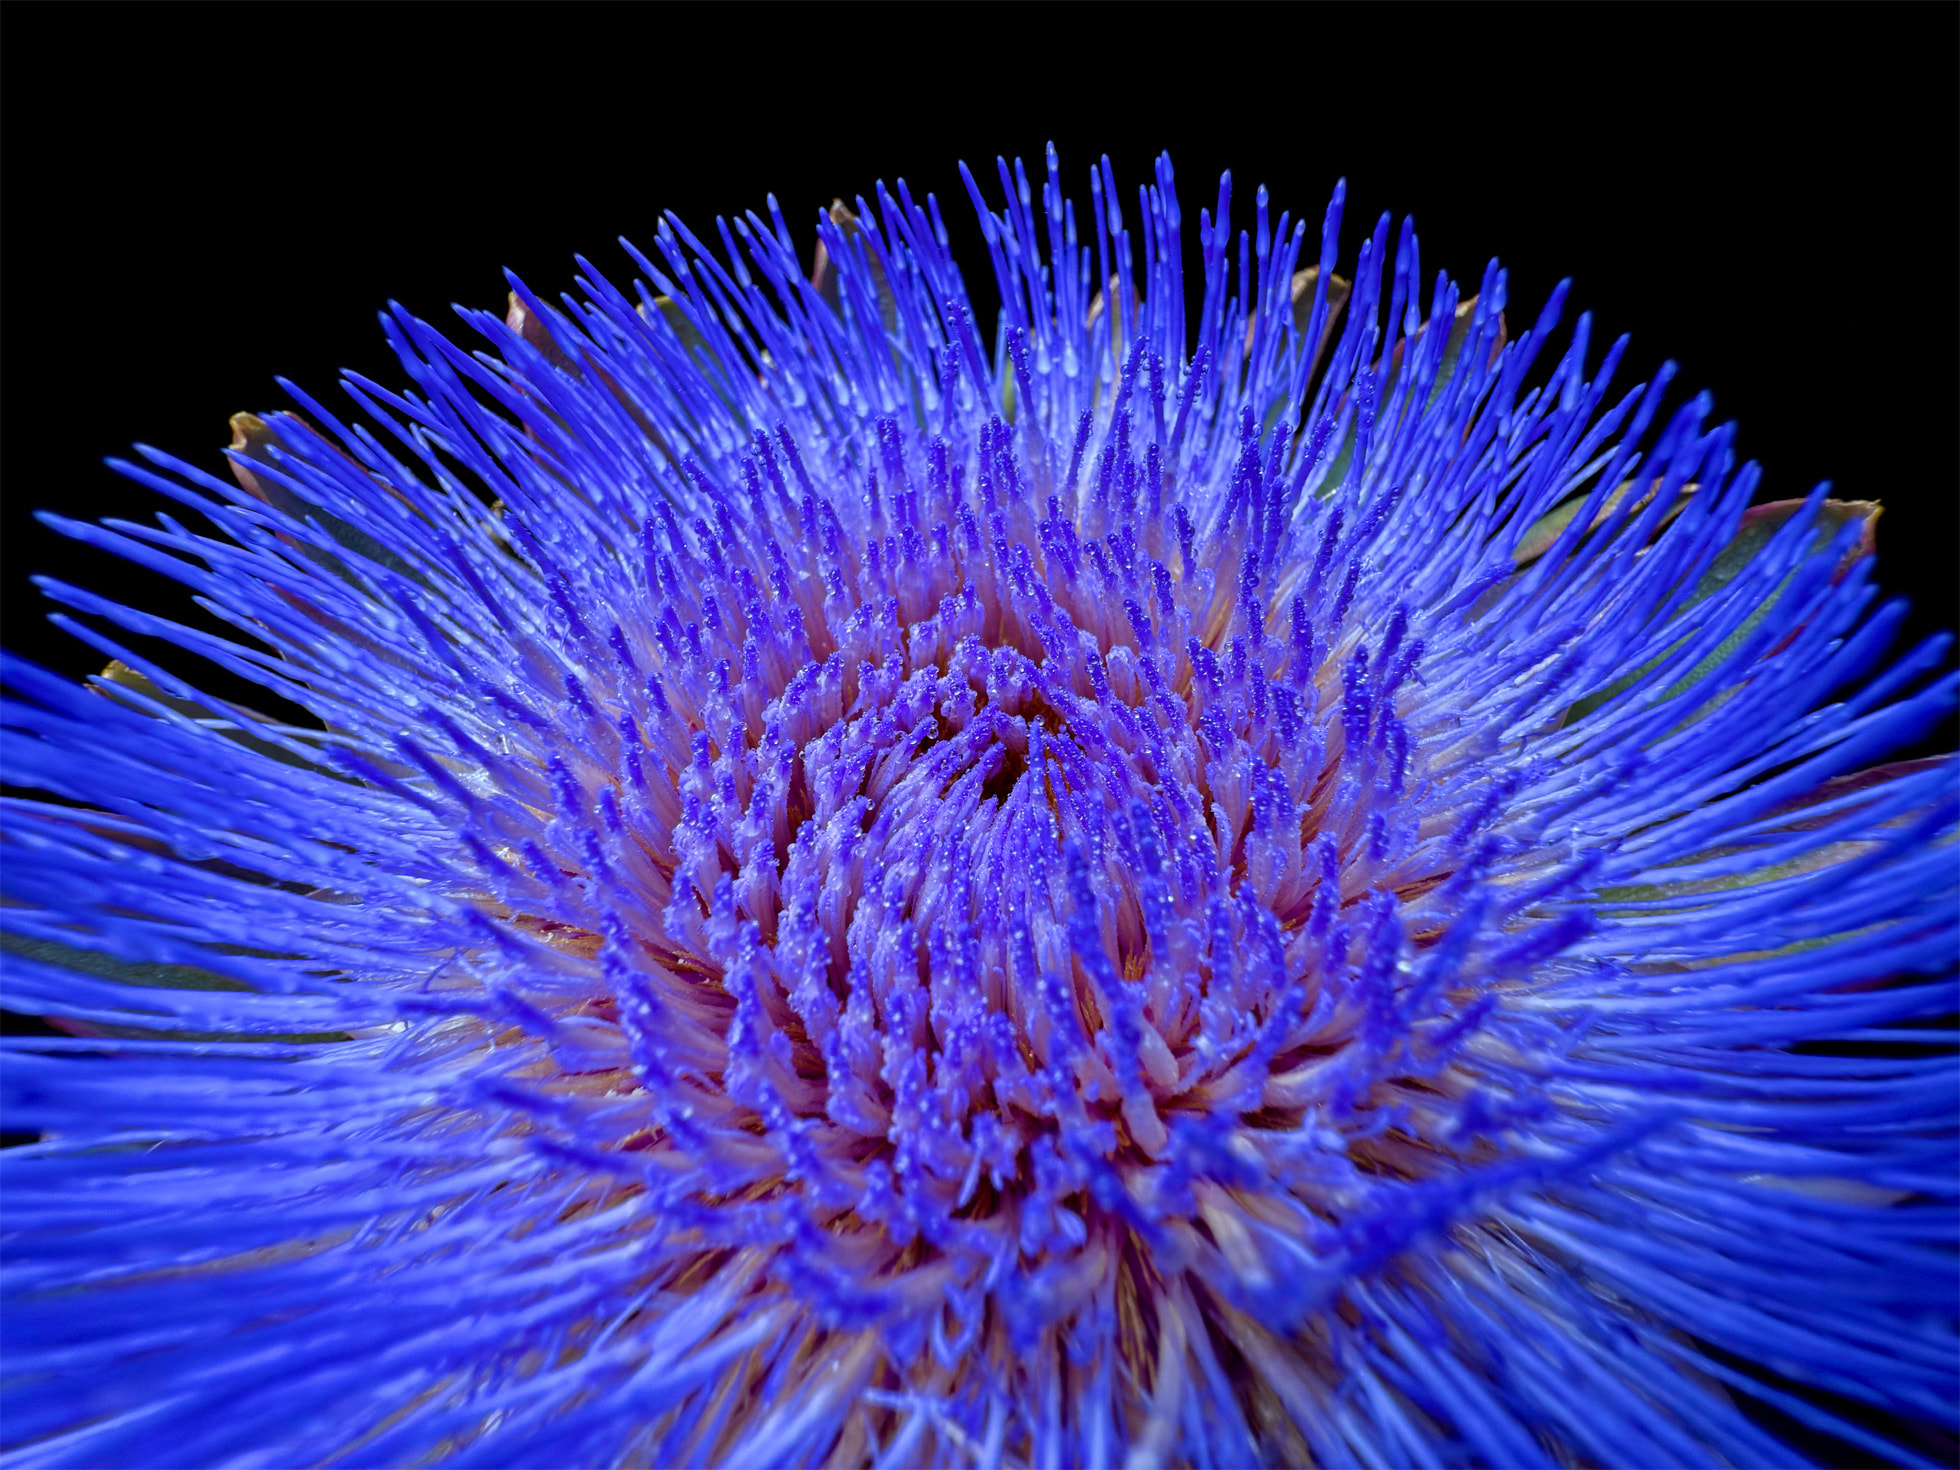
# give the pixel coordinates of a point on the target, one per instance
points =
(1244, 890)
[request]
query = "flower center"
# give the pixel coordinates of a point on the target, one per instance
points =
(1013, 907)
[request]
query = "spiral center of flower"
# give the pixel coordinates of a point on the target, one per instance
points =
(979, 891)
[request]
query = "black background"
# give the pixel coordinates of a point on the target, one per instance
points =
(196, 199)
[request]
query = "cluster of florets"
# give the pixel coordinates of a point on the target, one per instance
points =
(885, 903)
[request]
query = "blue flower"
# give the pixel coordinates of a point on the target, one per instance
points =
(1294, 885)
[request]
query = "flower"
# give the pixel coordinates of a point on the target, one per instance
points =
(854, 897)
